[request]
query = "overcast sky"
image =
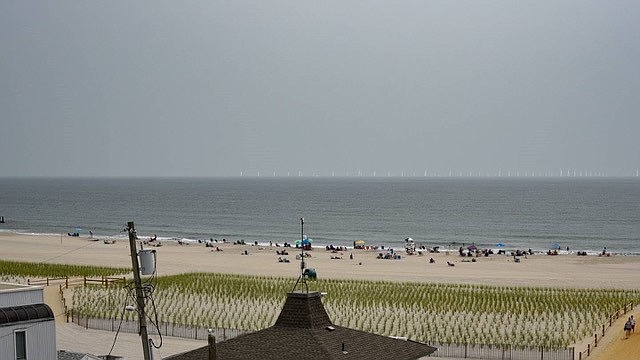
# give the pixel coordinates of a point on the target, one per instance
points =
(216, 88)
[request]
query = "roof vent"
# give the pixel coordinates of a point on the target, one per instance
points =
(330, 328)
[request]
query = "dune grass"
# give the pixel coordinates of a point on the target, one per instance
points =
(32, 269)
(447, 313)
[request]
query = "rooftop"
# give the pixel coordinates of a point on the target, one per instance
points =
(68, 355)
(11, 287)
(17, 314)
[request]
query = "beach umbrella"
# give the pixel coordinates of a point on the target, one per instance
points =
(500, 245)
(359, 242)
(472, 247)
(408, 239)
(305, 241)
(555, 246)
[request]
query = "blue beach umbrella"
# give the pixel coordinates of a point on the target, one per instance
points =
(555, 246)
(305, 241)
(500, 245)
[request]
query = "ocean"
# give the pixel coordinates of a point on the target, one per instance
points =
(582, 214)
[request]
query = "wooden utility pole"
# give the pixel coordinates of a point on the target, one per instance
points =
(142, 317)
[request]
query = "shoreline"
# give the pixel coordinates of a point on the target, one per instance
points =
(539, 270)
(398, 246)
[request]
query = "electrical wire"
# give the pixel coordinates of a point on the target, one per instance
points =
(22, 328)
(124, 308)
(129, 295)
(155, 323)
(66, 253)
(72, 250)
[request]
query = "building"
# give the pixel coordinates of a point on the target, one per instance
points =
(27, 325)
(303, 330)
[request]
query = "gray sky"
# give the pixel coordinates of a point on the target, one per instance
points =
(207, 88)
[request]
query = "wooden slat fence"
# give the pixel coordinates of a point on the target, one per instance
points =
(166, 329)
(500, 352)
(67, 281)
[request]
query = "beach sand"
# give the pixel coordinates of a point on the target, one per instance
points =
(537, 270)
(614, 272)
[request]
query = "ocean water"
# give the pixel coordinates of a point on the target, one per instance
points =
(582, 214)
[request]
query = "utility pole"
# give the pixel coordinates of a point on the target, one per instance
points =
(301, 279)
(302, 246)
(142, 319)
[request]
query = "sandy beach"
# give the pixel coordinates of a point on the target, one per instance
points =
(567, 270)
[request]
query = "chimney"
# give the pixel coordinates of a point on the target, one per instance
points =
(212, 346)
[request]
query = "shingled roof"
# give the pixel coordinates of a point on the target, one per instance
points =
(68, 355)
(304, 331)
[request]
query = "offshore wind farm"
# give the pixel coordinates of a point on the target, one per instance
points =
(499, 173)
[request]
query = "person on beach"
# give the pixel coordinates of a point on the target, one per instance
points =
(633, 324)
(627, 328)
(90, 234)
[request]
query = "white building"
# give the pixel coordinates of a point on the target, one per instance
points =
(27, 325)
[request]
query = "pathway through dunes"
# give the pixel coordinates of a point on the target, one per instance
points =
(52, 298)
(614, 345)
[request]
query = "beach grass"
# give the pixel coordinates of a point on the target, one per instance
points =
(43, 270)
(446, 313)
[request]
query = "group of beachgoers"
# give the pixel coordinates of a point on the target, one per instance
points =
(337, 253)
(389, 255)
(471, 251)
